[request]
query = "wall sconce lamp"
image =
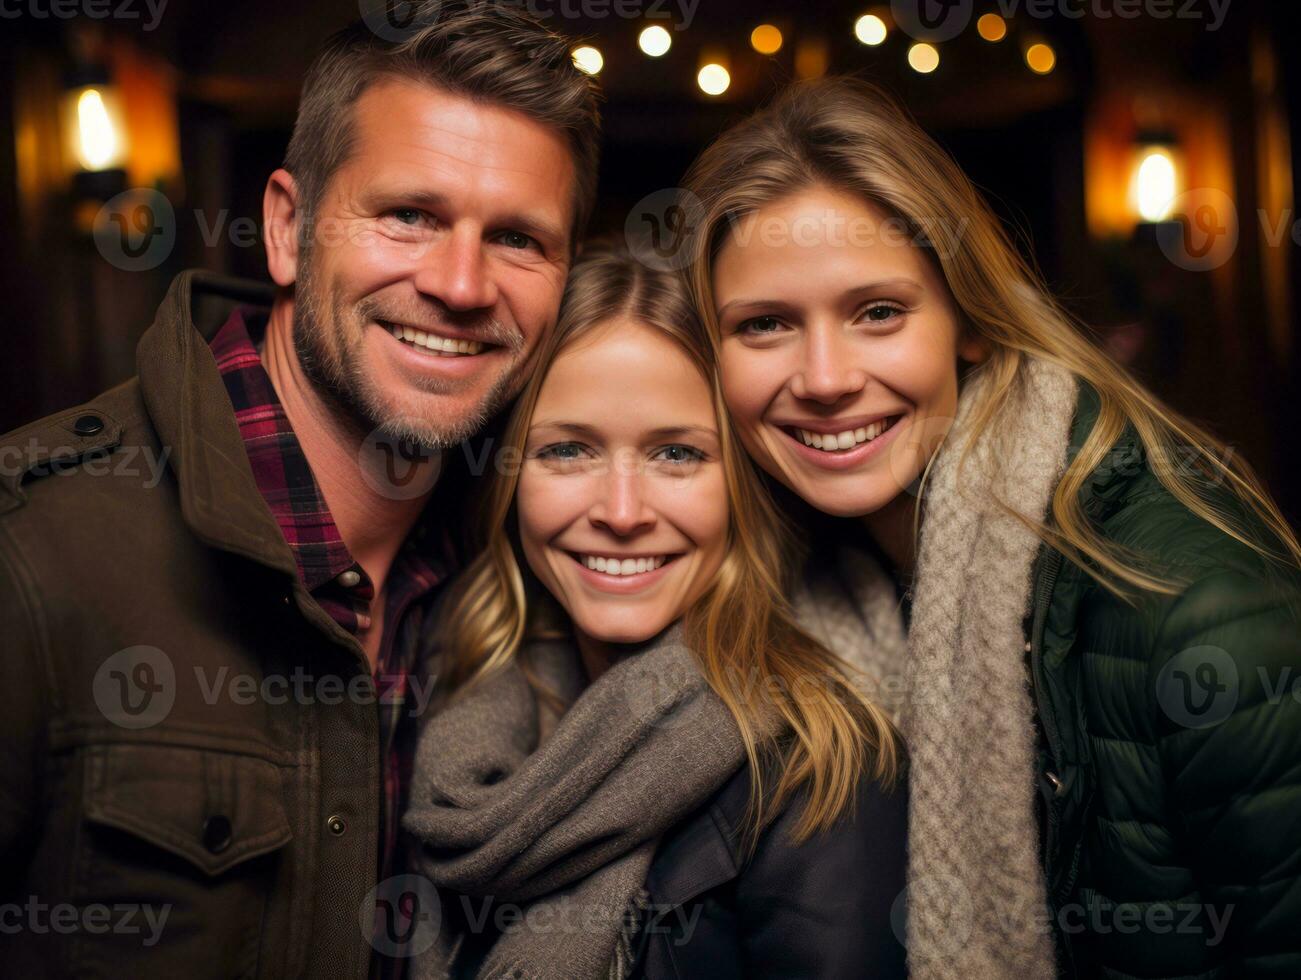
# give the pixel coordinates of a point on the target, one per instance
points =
(1156, 177)
(95, 140)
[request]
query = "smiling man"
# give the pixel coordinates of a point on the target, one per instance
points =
(157, 752)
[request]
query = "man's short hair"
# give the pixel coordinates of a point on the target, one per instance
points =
(490, 51)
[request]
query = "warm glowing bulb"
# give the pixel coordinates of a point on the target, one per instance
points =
(713, 79)
(1156, 185)
(98, 142)
(870, 29)
(588, 59)
(766, 39)
(992, 27)
(1040, 58)
(655, 41)
(923, 58)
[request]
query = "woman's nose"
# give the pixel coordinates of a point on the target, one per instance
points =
(622, 507)
(828, 370)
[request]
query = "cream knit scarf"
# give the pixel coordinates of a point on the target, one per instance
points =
(958, 683)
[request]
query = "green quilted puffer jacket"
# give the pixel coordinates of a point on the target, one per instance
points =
(1171, 751)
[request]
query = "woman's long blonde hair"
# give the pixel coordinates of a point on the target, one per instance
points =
(742, 631)
(849, 135)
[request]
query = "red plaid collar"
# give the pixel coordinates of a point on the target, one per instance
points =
(290, 490)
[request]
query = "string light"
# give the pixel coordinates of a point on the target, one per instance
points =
(991, 27)
(870, 29)
(1041, 58)
(588, 59)
(766, 39)
(713, 79)
(923, 58)
(655, 41)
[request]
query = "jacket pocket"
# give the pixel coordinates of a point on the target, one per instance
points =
(186, 840)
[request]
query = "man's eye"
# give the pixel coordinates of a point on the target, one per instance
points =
(516, 239)
(760, 325)
(680, 454)
(407, 216)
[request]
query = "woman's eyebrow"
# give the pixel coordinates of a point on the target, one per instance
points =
(575, 428)
(674, 431)
(780, 306)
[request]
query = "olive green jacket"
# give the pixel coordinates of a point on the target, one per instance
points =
(1171, 759)
(159, 815)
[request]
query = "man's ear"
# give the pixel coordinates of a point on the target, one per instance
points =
(280, 219)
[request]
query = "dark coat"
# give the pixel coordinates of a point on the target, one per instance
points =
(253, 824)
(826, 909)
(1170, 773)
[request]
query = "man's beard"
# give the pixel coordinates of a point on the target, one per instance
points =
(336, 370)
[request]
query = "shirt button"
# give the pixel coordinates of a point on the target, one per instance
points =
(216, 834)
(337, 825)
(350, 579)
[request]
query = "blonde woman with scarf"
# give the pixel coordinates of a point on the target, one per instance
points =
(1082, 609)
(644, 767)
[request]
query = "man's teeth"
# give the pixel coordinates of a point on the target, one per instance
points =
(838, 441)
(433, 342)
(624, 566)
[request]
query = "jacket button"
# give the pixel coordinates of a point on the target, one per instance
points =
(1056, 782)
(216, 834)
(88, 425)
(338, 826)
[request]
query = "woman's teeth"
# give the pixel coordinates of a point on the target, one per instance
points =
(433, 342)
(839, 441)
(622, 566)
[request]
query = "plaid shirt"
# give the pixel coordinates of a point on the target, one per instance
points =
(328, 571)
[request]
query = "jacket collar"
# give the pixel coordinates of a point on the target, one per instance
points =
(192, 414)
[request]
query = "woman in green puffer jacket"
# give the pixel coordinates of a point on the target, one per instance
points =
(1081, 607)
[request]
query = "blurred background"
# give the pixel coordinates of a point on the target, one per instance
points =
(1139, 150)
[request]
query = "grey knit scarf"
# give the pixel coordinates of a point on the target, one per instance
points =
(958, 684)
(562, 828)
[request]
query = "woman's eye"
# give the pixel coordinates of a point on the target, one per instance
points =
(680, 454)
(880, 312)
(561, 452)
(516, 239)
(760, 326)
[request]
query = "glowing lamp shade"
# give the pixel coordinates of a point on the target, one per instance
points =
(870, 29)
(95, 133)
(923, 58)
(588, 59)
(1155, 184)
(713, 79)
(766, 39)
(655, 41)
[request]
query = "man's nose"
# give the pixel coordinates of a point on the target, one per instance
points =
(456, 272)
